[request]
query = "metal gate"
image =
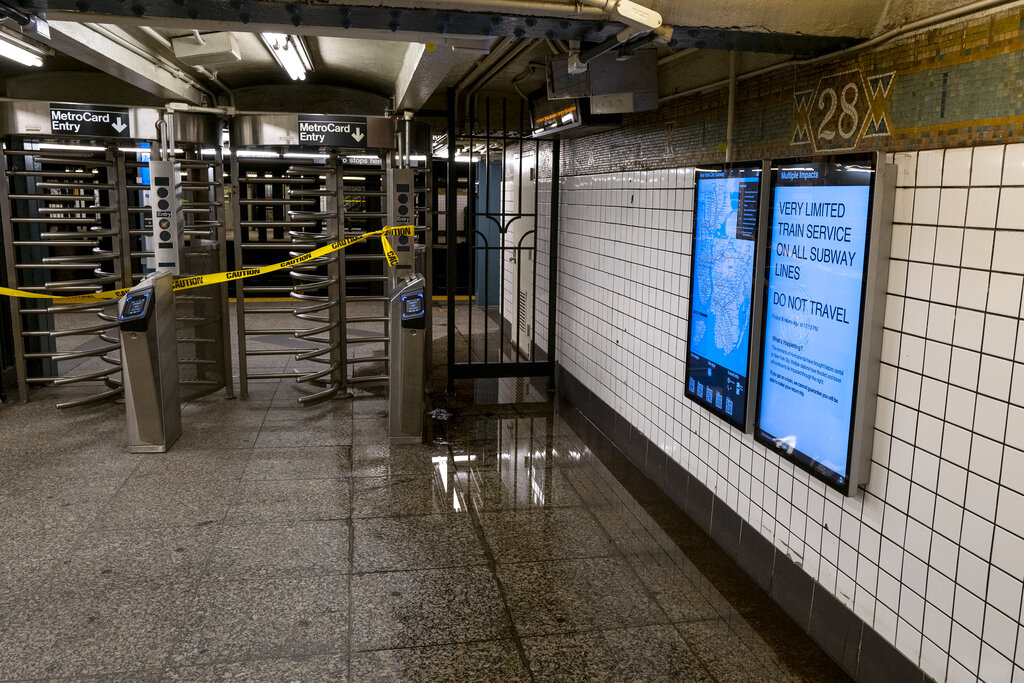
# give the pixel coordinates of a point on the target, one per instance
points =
(495, 323)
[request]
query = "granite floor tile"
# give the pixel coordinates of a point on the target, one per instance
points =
(30, 559)
(370, 406)
(49, 506)
(377, 460)
(288, 435)
(415, 542)
(682, 592)
(70, 633)
(215, 437)
(409, 495)
(280, 550)
(431, 607)
(217, 409)
(135, 676)
(283, 500)
(647, 653)
(293, 670)
(247, 619)
(574, 595)
(496, 660)
(58, 467)
(727, 659)
(199, 466)
(533, 535)
(516, 488)
(328, 462)
(370, 430)
(162, 502)
(105, 558)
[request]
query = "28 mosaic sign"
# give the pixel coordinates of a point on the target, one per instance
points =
(842, 109)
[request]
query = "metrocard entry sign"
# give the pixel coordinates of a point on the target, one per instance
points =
(88, 120)
(332, 131)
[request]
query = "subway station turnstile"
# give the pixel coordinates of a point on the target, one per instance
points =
(326, 322)
(409, 304)
(149, 356)
(75, 205)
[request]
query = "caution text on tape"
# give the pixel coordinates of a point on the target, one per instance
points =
(194, 281)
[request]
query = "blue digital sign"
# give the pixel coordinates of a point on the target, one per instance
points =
(816, 270)
(725, 230)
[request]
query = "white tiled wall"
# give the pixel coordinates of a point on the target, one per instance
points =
(931, 555)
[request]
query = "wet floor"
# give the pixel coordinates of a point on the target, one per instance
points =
(284, 543)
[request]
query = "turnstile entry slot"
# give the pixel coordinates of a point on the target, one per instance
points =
(149, 353)
(408, 347)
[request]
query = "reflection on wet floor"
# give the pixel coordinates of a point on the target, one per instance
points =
(285, 543)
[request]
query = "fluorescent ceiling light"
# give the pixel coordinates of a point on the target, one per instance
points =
(290, 53)
(12, 48)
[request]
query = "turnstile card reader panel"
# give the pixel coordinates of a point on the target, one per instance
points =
(414, 312)
(149, 354)
(135, 311)
(168, 219)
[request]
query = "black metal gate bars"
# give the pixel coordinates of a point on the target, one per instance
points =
(493, 318)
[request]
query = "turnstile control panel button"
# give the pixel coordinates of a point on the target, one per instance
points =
(162, 192)
(163, 204)
(165, 236)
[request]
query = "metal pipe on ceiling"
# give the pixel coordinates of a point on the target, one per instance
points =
(927, 22)
(731, 112)
(514, 54)
(503, 46)
(668, 59)
(537, 8)
(155, 60)
(155, 35)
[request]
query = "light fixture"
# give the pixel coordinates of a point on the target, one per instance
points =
(290, 53)
(19, 51)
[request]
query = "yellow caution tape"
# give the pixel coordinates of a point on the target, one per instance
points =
(389, 251)
(194, 281)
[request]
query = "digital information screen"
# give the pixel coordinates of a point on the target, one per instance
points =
(819, 248)
(723, 299)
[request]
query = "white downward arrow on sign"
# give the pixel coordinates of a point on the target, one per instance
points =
(118, 125)
(358, 135)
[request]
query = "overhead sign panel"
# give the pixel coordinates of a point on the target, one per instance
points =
(88, 120)
(332, 131)
(826, 265)
(724, 290)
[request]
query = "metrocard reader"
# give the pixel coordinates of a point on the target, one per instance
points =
(149, 359)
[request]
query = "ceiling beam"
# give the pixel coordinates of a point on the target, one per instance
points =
(424, 70)
(422, 22)
(111, 50)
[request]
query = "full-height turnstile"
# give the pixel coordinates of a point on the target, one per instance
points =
(303, 181)
(74, 205)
